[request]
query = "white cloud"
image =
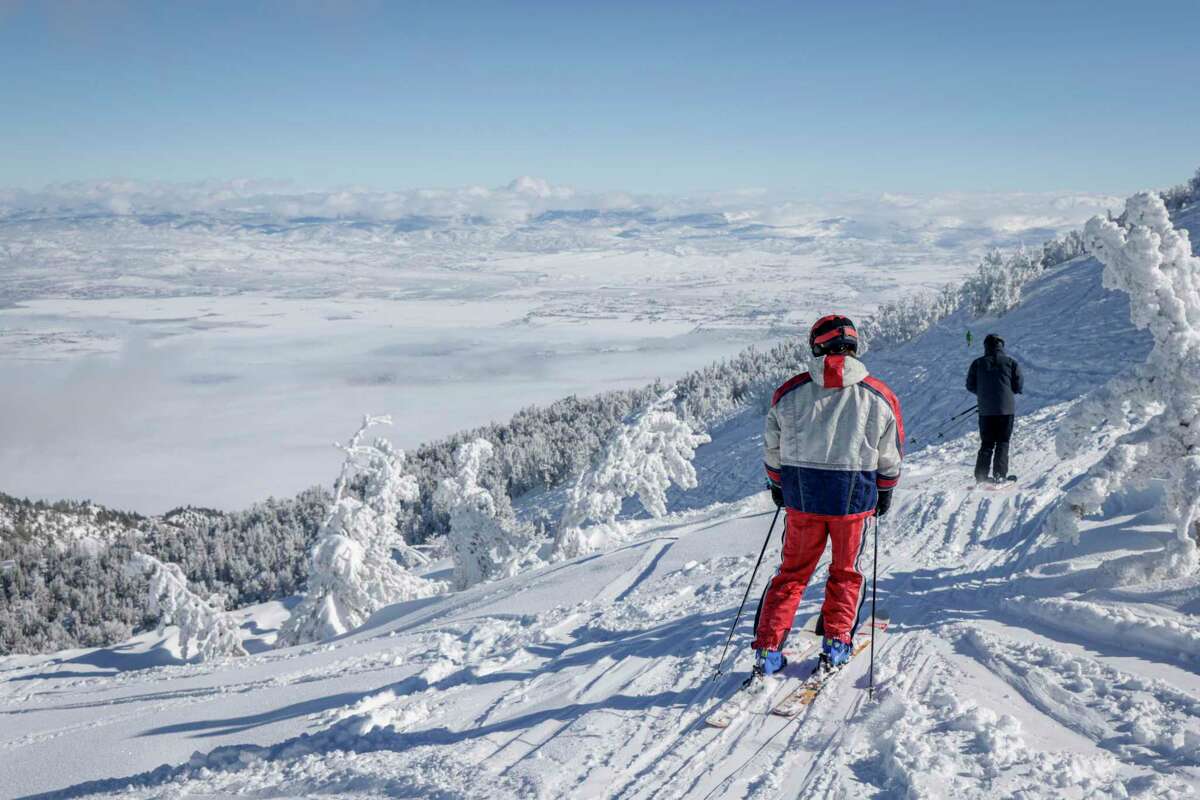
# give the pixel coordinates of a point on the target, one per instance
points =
(523, 198)
(1002, 215)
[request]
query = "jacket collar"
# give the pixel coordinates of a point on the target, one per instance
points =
(836, 372)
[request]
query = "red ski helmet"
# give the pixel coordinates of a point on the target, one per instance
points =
(833, 333)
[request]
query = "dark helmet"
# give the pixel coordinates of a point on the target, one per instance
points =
(993, 343)
(833, 334)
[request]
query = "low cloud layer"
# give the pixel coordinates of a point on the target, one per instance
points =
(527, 198)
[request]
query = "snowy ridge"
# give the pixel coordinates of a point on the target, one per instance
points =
(1018, 663)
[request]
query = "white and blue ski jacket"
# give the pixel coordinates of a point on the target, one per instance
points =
(834, 437)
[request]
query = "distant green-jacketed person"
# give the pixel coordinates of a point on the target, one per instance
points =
(968, 339)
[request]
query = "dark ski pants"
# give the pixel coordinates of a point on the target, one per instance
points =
(803, 543)
(994, 432)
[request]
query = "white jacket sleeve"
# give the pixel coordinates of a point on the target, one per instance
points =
(771, 447)
(890, 454)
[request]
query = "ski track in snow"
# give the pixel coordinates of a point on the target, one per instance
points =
(1015, 665)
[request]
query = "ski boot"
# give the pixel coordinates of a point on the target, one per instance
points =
(835, 653)
(768, 662)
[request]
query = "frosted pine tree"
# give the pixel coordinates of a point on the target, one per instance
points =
(650, 453)
(1156, 408)
(353, 568)
(484, 541)
(204, 629)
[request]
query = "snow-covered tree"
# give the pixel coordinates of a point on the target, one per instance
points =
(996, 285)
(1156, 408)
(649, 454)
(353, 568)
(1184, 194)
(205, 629)
(485, 542)
(1062, 249)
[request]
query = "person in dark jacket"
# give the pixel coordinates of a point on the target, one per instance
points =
(994, 378)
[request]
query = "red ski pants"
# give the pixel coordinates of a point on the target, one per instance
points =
(803, 543)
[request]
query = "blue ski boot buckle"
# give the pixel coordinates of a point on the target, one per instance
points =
(768, 662)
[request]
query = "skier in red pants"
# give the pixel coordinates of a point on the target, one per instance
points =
(834, 441)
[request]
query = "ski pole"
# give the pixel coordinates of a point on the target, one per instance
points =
(874, 574)
(737, 618)
(947, 425)
(952, 426)
(964, 413)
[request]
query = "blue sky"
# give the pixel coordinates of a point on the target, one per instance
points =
(801, 97)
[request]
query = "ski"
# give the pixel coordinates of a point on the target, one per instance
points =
(804, 694)
(733, 706)
(998, 485)
(728, 710)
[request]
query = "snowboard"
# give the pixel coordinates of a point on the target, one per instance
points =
(1007, 484)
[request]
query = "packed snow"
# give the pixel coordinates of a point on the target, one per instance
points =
(1019, 662)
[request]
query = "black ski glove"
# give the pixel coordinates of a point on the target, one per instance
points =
(777, 495)
(884, 502)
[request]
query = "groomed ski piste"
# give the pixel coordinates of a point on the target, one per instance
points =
(1017, 663)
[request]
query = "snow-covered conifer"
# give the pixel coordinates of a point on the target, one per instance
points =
(485, 542)
(1063, 248)
(1157, 406)
(353, 568)
(647, 455)
(204, 629)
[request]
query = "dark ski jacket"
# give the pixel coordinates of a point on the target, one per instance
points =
(994, 378)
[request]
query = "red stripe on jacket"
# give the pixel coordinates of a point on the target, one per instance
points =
(833, 377)
(894, 403)
(798, 380)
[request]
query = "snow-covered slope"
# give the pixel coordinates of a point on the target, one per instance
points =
(1017, 664)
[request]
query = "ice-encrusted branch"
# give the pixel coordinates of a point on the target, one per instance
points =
(1157, 408)
(204, 630)
(485, 542)
(353, 571)
(647, 456)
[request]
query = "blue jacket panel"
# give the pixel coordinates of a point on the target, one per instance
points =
(829, 492)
